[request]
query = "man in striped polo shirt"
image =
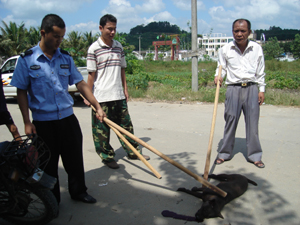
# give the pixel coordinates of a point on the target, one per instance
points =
(106, 66)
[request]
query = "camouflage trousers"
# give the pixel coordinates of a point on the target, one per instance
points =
(116, 111)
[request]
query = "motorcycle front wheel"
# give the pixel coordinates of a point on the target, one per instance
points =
(36, 206)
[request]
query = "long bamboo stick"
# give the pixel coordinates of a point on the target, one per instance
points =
(130, 146)
(135, 151)
(196, 177)
(212, 129)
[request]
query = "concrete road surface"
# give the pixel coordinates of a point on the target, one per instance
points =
(132, 195)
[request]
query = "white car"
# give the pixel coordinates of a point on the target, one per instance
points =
(7, 70)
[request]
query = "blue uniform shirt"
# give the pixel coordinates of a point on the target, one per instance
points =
(47, 83)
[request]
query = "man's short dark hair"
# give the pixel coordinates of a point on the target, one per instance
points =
(51, 20)
(242, 20)
(107, 18)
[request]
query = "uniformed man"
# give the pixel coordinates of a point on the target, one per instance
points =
(44, 73)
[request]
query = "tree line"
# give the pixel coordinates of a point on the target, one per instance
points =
(280, 34)
(273, 49)
(280, 41)
(157, 31)
(15, 39)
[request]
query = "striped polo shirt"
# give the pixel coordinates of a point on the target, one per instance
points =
(107, 62)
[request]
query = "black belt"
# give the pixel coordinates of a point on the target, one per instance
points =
(242, 84)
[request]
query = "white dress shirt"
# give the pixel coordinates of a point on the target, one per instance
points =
(242, 67)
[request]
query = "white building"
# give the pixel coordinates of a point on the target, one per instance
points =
(212, 42)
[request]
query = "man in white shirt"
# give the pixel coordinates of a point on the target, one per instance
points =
(106, 66)
(243, 62)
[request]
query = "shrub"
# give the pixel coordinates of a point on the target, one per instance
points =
(149, 57)
(138, 81)
(282, 80)
(133, 64)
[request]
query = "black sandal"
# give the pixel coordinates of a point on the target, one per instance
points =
(259, 164)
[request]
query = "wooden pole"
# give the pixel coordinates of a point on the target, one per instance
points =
(135, 151)
(129, 145)
(207, 163)
(198, 178)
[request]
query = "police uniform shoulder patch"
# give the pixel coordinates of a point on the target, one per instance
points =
(28, 52)
(64, 52)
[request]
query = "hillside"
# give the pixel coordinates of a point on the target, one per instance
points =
(155, 31)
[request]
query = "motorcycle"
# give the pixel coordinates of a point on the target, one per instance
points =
(25, 189)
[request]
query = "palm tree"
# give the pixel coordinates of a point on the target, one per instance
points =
(33, 36)
(89, 39)
(74, 43)
(121, 37)
(13, 39)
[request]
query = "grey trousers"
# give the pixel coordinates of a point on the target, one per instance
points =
(240, 99)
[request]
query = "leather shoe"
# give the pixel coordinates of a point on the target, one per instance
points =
(135, 157)
(85, 197)
(111, 164)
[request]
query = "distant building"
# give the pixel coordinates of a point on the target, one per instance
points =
(212, 42)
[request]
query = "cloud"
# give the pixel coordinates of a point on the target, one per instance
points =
(216, 14)
(220, 15)
(31, 12)
(119, 8)
(150, 6)
(162, 16)
(266, 10)
(84, 27)
(262, 14)
(29, 9)
(186, 5)
(125, 14)
(231, 3)
(119, 3)
(129, 16)
(28, 23)
(203, 27)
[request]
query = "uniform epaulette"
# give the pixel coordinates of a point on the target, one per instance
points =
(64, 52)
(28, 52)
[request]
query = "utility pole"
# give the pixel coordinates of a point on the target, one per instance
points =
(140, 45)
(194, 47)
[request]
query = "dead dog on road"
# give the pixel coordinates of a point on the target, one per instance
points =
(234, 184)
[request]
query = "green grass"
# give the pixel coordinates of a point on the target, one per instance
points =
(282, 97)
(275, 65)
(171, 81)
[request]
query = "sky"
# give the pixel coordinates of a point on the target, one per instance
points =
(215, 15)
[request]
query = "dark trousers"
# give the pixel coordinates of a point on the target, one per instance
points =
(5, 117)
(64, 138)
